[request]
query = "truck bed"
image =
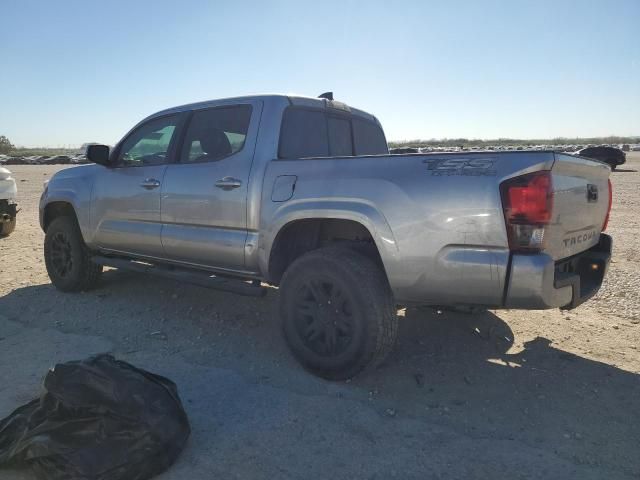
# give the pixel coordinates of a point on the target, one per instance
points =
(438, 219)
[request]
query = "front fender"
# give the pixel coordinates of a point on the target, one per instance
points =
(75, 191)
(68, 197)
(358, 211)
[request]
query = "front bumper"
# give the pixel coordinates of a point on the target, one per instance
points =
(8, 211)
(538, 282)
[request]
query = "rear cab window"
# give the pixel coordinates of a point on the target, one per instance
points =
(308, 132)
(369, 138)
(303, 134)
(340, 137)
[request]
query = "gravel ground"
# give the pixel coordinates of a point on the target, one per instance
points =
(505, 394)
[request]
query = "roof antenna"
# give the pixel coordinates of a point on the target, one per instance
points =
(327, 95)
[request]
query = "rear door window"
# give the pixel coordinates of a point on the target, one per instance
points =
(303, 134)
(216, 133)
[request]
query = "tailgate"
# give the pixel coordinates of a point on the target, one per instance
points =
(580, 205)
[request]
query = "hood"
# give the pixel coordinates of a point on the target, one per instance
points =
(77, 171)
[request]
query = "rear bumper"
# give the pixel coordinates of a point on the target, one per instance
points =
(539, 282)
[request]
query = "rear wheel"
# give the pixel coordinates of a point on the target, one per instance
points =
(67, 258)
(338, 312)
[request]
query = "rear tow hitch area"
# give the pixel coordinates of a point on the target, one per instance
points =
(584, 272)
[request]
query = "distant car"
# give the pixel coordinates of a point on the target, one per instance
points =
(403, 150)
(58, 160)
(79, 159)
(609, 155)
(625, 147)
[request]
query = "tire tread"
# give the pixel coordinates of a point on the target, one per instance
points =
(89, 272)
(376, 293)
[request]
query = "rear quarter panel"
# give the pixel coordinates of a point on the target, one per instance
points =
(436, 219)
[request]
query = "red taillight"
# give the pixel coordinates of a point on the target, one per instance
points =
(606, 219)
(527, 202)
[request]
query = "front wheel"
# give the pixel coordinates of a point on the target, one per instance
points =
(67, 258)
(338, 312)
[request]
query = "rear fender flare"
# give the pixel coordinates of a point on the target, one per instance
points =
(361, 212)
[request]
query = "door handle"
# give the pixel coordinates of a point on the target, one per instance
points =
(228, 183)
(150, 183)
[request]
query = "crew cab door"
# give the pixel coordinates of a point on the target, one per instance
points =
(125, 203)
(204, 195)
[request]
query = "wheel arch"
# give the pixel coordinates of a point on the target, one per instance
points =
(303, 230)
(55, 209)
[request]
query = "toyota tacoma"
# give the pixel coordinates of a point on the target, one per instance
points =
(302, 193)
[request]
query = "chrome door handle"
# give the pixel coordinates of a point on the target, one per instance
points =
(228, 183)
(150, 183)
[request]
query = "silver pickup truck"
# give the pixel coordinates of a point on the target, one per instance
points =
(301, 193)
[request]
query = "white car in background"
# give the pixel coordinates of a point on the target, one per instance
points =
(8, 206)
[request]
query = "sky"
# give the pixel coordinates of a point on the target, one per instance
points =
(82, 71)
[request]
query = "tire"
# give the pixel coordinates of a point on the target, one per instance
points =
(8, 227)
(338, 313)
(67, 258)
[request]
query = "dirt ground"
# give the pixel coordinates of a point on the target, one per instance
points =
(505, 394)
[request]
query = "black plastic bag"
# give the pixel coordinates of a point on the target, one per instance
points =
(97, 419)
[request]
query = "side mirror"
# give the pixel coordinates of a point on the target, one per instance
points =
(98, 154)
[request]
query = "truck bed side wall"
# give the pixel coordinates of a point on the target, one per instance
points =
(436, 219)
